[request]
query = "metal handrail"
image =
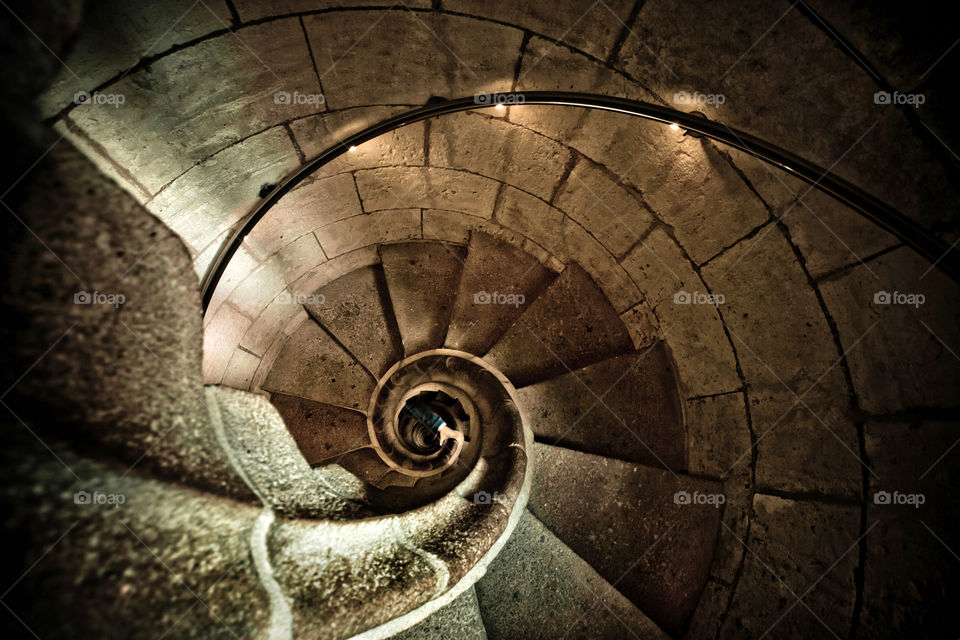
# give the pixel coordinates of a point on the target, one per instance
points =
(907, 230)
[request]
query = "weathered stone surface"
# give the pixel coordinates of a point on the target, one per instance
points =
(400, 147)
(239, 267)
(539, 588)
(901, 355)
(610, 211)
(626, 408)
(323, 432)
(299, 256)
(628, 523)
(492, 268)
(578, 245)
(335, 377)
(352, 48)
(757, 67)
(215, 195)
(787, 352)
(453, 226)
(274, 466)
(220, 338)
(270, 323)
(391, 225)
(705, 360)
(256, 9)
(569, 326)
(133, 31)
(168, 559)
(717, 434)
(347, 576)
(240, 370)
(334, 268)
(805, 550)
(313, 204)
(426, 187)
(500, 150)
(459, 619)
(530, 216)
(127, 373)
(710, 609)
(354, 309)
(909, 576)
(422, 281)
(176, 107)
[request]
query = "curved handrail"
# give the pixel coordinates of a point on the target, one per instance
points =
(908, 231)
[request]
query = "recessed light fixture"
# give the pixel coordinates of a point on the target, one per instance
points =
(675, 126)
(499, 106)
(353, 147)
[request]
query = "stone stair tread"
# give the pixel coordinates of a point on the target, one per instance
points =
(460, 619)
(624, 519)
(540, 588)
(323, 432)
(626, 407)
(492, 266)
(570, 325)
(352, 308)
(422, 279)
(335, 377)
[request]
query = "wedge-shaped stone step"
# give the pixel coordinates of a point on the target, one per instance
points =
(647, 531)
(626, 407)
(539, 588)
(571, 325)
(460, 619)
(312, 365)
(422, 278)
(323, 432)
(498, 282)
(352, 308)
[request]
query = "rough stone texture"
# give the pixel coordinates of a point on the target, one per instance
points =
(323, 432)
(591, 27)
(453, 226)
(270, 324)
(312, 204)
(759, 66)
(539, 588)
(529, 216)
(393, 225)
(426, 187)
(626, 408)
(460, 619)
(128, 379)
(705, 361)
(347, 576)
(256, 9)
(569, 326)
(906, 356)
(497, 149)
(612, 213)
(353, 48)
(240, 370)
(315, 134)
(802, 410)
(177, 107)
(220, 338)
(717, 434)
(213, 196)
(169, 559)
(910, 576)
(134, 31)
(354, 309)
(336, 378)
(422, 281)
(624, 520)
(492, 266)
(784, 563)
(578, 245)
(268, 455)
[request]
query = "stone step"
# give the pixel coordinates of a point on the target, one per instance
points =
(630, 523)
(312, 365)
(539, 588)
(571, 325)
(422, 279)
(460, 619)
(626, 407)
(323, 432)
(499, 281)
(355, 309)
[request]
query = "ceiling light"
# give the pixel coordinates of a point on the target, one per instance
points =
(675, 126)
(353, 147)
(499, 106)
